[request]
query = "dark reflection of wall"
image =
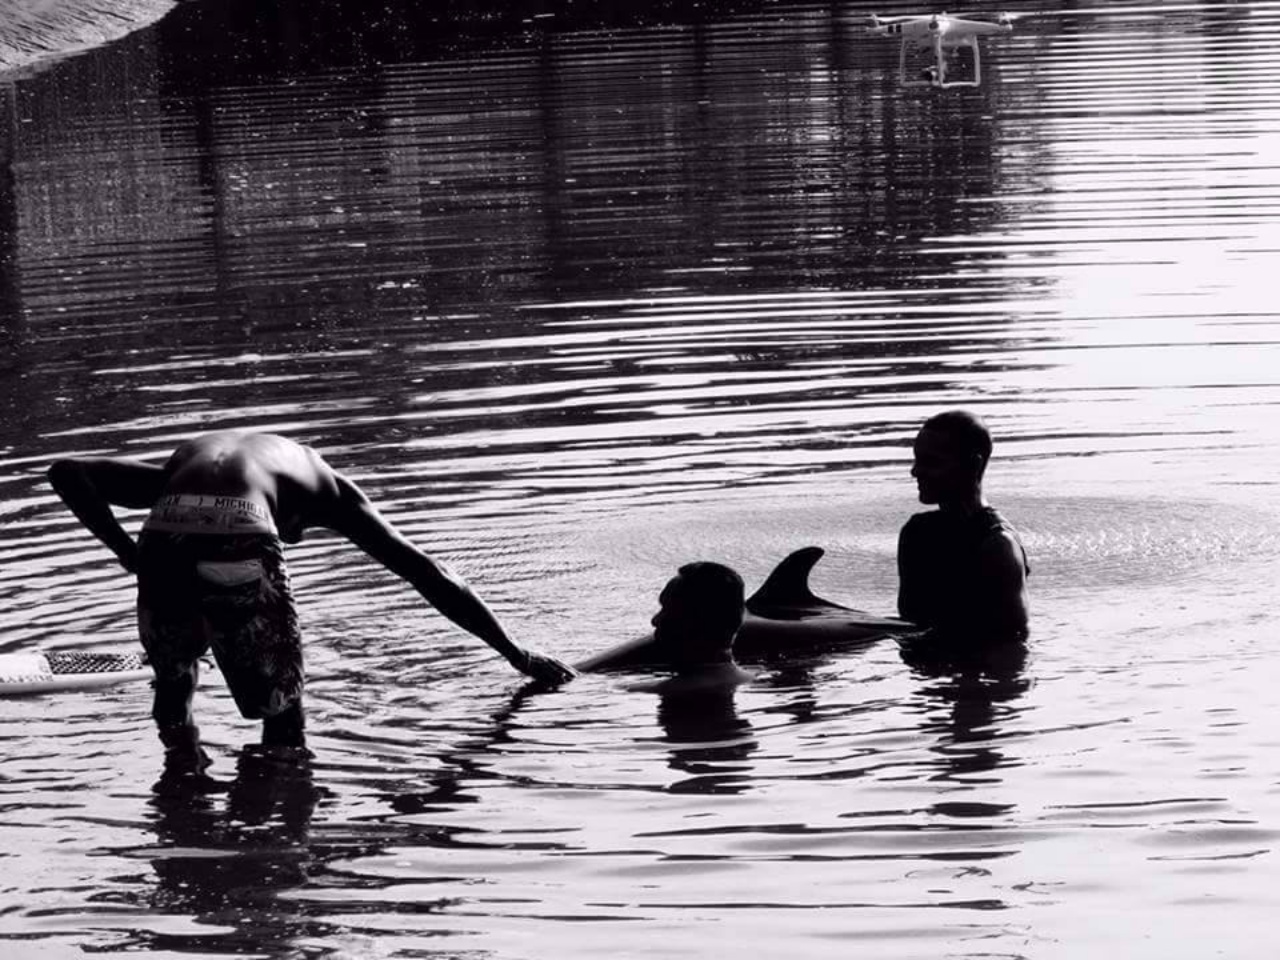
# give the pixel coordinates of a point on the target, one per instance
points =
(309, 179)
(529, 209)
(271, 38)
(306, 180)
(93, 213)
(1222, 29)
(12, 337)
(91, 175)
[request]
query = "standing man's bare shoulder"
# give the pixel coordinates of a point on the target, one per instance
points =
(919, 536)
(1003, 567)
(1001, 554)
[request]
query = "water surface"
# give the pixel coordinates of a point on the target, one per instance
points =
(578, 301)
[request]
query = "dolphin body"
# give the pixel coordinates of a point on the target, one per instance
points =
(783, 616)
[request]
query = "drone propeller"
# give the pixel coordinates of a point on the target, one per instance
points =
(1004, 18)
(877, 24)
(874, 21)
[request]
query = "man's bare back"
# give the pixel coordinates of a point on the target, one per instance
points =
(289, 479)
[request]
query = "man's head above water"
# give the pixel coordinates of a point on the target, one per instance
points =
(700, 611)
(950, 456)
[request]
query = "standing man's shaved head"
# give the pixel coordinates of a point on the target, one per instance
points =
(950, 457)
(965, 431)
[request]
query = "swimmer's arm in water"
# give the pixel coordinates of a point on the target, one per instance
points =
(89, 486)
(356, 518)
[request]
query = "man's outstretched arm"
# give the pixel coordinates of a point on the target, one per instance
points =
(356, 518)
(90, 485)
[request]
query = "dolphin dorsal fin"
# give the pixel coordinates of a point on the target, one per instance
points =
(788, 584)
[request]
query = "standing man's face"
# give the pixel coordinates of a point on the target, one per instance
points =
(942, 473)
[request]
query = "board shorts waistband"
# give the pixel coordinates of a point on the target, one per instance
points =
(209, 514)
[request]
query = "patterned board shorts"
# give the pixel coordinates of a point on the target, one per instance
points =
(228, 592)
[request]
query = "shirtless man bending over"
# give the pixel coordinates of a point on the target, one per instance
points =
(211, 573)
(961, 568)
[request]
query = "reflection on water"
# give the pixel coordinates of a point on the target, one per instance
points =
(708, 741)
(976, 697)
(225, 852)
(580, 297)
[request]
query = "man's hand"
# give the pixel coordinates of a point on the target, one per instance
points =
(543, 668)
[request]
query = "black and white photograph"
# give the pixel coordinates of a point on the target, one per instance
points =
(646, 479)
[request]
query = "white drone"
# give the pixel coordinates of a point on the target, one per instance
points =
(946, 35)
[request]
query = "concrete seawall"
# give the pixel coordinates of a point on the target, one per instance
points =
(35, 30)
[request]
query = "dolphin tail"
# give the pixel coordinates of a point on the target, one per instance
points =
(788, 584)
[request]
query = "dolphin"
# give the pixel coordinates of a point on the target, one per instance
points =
(783, 616)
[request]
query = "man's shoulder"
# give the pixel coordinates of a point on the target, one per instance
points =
(922, 524)
(272, 444)
(976, 530)
(995, 519)
(286, 458)
(1003, 547)
(924, 517)
(1001, 540)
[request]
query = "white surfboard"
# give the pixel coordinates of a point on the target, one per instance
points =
(52, 671)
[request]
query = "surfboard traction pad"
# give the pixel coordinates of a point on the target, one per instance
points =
(63, 663)
(45, 666)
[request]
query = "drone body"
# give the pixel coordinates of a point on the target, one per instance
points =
(945, 35)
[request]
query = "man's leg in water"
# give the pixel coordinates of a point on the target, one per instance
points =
(174, 642)
(175, 635)
(171, 710)
(258, 645)
(261, 660)
(286, 728)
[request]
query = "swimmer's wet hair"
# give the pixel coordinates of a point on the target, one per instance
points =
(966, 429)
(715, 577)
(719, 589)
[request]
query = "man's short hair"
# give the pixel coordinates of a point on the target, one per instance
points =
(965, 429)
(719, 592)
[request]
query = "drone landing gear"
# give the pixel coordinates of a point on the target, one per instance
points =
(935, 74)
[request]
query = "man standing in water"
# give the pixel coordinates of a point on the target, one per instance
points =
(211, 571)
(961, 568)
